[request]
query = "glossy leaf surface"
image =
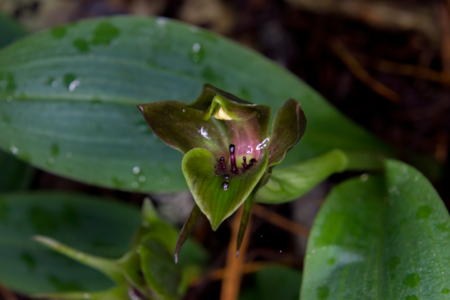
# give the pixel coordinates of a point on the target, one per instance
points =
(102, 228)
(381, 237)
(68, 98)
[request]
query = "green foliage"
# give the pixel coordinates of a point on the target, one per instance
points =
(68, 96)
(92, 225)
(380, 237)
(274, 282)
(101, 228)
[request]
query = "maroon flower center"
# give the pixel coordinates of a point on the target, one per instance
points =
(221, 167)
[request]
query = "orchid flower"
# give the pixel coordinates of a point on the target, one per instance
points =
(228, 151)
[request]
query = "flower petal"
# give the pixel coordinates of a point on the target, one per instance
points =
(213, 200)
(183, 128)
(212, 100)
(288, 127)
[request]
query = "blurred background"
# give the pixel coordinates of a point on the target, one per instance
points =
(385, 64)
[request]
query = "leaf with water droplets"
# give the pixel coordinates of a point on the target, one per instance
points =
(125, 61)
(385, 243)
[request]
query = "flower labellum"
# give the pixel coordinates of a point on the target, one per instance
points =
(228, 151)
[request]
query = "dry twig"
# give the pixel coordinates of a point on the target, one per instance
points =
(280, 221)
(405, 70)
(220, 273)
(362, 74)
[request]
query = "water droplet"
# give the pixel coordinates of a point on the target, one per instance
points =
(161, 21)
(393, 262)
(29, 261)
(142, 178)
(59, 32)
(105, 33)
(86, 296)
(323, 292)
(81, 45)
(263, 144)
(135, 185)
(364, 177)
(281, 251)
(184, 110)
(412, 280)
(14, 150)
(73, 85)
(226, 176)
(54, 150)
(50, 161)
(424, 212)
(136, 170)
(404, 169)
(225, 185)
(197, 53)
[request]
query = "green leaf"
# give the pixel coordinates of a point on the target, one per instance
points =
(92, 225)
(11, 30)
(215, 201)
(274, 282)
(290, 183)
(14, 174)
(68, 98)
(381, 237)
(161, 273)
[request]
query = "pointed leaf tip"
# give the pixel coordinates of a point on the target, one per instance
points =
(149, 213)
(288, 127)
(187, 227)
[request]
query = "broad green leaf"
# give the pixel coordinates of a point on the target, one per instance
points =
(214, 200)
(10, 30)
(92, 225)
(274, 282)
(68, 98)
(381, 237)
(14, 174)
(292, 182)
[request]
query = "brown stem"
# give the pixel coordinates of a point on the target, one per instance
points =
(280, 221)
(234, 267)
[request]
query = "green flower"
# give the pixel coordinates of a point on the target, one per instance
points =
(228, 151)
